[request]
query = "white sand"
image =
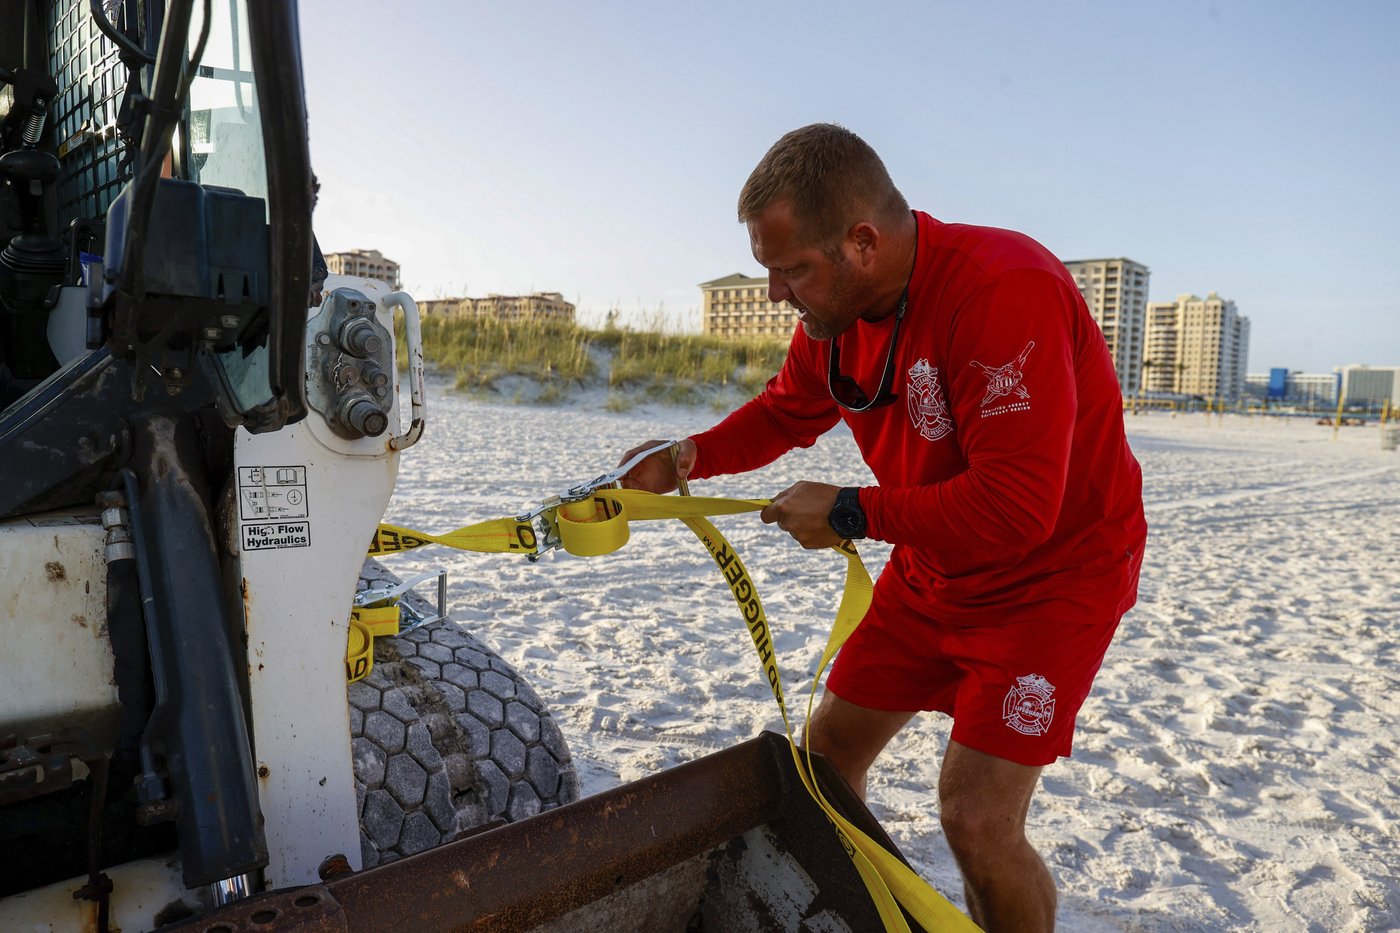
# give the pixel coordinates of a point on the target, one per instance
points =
(1235, 767)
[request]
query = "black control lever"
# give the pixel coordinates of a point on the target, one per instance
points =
(30, 172)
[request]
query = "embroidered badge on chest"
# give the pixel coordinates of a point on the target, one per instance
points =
(1028, 707)
(927, 409)
(1003, 381)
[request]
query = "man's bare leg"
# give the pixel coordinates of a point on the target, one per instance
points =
(983, 803)
(852, 736)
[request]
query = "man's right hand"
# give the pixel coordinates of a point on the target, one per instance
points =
(658, 473)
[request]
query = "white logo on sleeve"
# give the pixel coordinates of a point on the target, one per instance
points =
(927, 409)
(1006, 380)
(1028, 707)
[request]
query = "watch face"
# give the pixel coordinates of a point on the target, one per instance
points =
(846, 520)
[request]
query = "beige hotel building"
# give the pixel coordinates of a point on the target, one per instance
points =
(535, 305)
(365, 263)
(738, 306)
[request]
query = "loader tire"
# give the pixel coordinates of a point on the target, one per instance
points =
(447, 737)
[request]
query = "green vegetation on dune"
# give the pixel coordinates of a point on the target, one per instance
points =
(631, 364)
(482, 350)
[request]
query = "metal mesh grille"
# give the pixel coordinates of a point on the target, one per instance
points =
(91, 79)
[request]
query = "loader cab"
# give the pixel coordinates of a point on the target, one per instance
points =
(151, 234)
(74, 148)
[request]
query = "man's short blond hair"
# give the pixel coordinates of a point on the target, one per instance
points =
(832, 179)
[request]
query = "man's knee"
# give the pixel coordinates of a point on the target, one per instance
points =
(983, 802)
(980, 828)
(851, 736)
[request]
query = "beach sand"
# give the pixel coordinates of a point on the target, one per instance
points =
(1234, 769)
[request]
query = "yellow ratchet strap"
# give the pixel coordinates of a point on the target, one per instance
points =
(366, 624)
(599, 525)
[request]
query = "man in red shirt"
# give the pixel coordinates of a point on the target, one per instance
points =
(982, 395)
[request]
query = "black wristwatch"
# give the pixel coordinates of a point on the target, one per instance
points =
(847, 518)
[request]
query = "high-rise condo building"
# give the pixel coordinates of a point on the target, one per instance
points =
(1196, 346)
(1116, 292)
(738, 306)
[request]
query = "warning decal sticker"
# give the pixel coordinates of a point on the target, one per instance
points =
(272, 493)
(273, 497)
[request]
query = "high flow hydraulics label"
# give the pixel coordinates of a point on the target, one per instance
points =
(273, 506)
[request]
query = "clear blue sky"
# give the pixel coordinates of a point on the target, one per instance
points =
(597, 149)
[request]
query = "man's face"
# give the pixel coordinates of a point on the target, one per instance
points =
(828, 293)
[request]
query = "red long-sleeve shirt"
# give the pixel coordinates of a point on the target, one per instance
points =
(1004, 473)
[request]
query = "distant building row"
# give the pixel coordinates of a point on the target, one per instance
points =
(1293, 387)
(1360, 386)
(1190, 346)
(507, 307)
(372, 264)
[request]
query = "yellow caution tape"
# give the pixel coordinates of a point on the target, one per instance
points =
(359, 654)
(891, 883)
(366, 624)
(380, 620)
(599, 525)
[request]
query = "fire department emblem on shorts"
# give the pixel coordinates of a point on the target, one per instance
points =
(1028, 708)
(927, 409)
(1004, 380)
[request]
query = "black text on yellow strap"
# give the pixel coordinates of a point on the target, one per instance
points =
(746, 596)
(388, 541)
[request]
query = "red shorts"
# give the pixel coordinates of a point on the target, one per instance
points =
(1012, 683)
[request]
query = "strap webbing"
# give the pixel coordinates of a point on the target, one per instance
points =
(599, 525)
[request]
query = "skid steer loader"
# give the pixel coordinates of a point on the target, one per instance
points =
(199, 433)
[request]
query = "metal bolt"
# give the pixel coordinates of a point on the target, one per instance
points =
(358, 336)
(334, 866)
(363, 416)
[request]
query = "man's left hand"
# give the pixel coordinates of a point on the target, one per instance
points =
(802, 511)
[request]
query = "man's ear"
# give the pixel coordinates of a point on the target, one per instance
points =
(865, 237)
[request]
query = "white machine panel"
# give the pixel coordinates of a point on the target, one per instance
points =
(53, 624)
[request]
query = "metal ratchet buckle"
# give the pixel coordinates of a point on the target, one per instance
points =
(390, 594)
(544, 517)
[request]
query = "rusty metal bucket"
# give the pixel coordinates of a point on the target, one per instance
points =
(729, 842)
